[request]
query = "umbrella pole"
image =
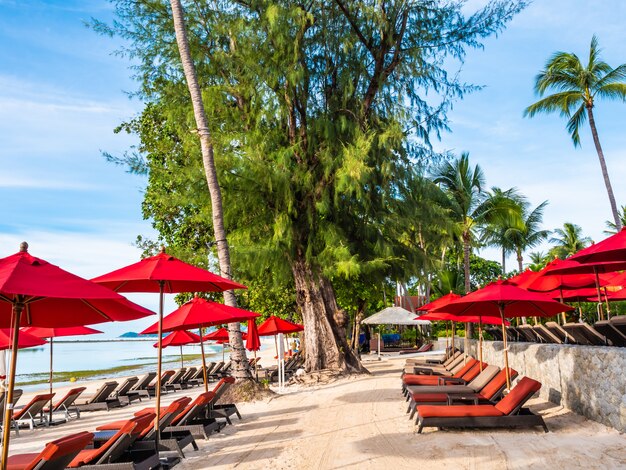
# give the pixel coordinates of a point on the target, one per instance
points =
(8, 412)
(506, 351)
(51, 343)
(157, 410)
(606, 300)
(452, 336)
(204, 371)
(563, 317)
(480, 342)
(600, 314)
(182, 362)
(256, 369)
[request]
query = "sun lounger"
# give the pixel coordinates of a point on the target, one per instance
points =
(415, 379)
(606, 328)
(450, 369)
(122, 392)
(546, 335)
(463, 379)
(194, 418)
(17, 394)
(513, 335)
(214, 373)
(558, 331)
(429, 360)
(173, 384)
(226, 369)
(585, 334)
(31, 413)
(101, 400)
(507, 413)
(187, 381)
(528, 334)
(66, 404)
(165, 377)
(223, 410)
(495, 332)
(619, 323)
(140, 389)
(56, 455)
(115, 446)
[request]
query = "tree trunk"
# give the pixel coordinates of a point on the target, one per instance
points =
(503, 261)
(240, 368)
(520, 260)
(605, 171)
(468, 286)
(324, 323)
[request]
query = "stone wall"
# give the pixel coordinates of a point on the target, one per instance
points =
(588, 380)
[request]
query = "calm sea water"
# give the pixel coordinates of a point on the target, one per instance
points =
(34, 363)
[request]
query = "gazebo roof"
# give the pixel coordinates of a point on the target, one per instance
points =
(394, 316)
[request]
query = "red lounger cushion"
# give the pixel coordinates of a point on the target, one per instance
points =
(418, 379)
(497, 383)
(432, 411)
(54, 450)
(430, 397)
(518, 394)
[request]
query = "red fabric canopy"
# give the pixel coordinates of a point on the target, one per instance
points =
(609, 250)
(57, 332)
(179, 338)
(274, 325)
(221, 336)
(53, 297)
(178, 276)
(253, 342)
(555, 276)
(514, 301)
(524, 278)
(440, 316)
(198, 313)
(25, 340)
(443, 300)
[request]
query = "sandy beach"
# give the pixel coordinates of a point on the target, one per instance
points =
(360, 422)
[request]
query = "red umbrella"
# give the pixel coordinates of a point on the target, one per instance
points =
(200, 313)
(444, 300)
(34, 292)
(220, 336)
(609, 250)
(273, 326)
(524, 278)
(253, 343)
(504, 299)
(163, 273)
(42, 332)
(179, 338)
(25, 340)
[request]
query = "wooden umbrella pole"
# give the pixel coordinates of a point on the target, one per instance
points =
(204, 371)
(606, 300)
(480, 342)
(452, 336)
(18, 307)
(506, 352)
(182, 362)
(563, 317)
(600, 314)
(157, 410)
(256, 369)
(51, 343)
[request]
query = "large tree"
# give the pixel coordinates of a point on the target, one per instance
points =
(568, 240)
(576, 88)
(318, 110)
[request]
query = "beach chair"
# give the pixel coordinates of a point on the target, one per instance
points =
(619, 323)
(55, 455)
(415, 379)
(528, 334)
(66, 404)
(31, 414)
(17, 394)
(495, 332)
(546, 335)
(608, 330)
(474, 386)
(116, 448)
(140, 389)
(507, 413)
(226, 369)
(122, 391)
(101, 400)
(463, 379)
(512, 334)
(214, 373)
(187, 381)
(165, 377)
(558, 331)
(173, 384)
(585, 334)
(450, 369)
(194, 418)
(223, 410)
(429, 361)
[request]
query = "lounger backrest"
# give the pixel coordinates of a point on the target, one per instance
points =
(129, 383)
(457, 364)
(605, 328)
(104, 392)
(221, 387)
(209, 367)
(216, 369)
(17, 394)
(144, 381)
(194, 409)
(483, 378)
(60, 452)
(474, 371)
(166, 417)
(518, 395)
(471, 362)
(497, 385)
(547, 335)
(34, 406)
(175, 378)
(591, 333)
(114, 447)
(189, 374)
(166, 376)
(69, 398)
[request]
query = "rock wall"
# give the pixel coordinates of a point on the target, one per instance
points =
(588, 380)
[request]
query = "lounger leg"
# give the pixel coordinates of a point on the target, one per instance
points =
(419, 428)
(238, 414)
(413, 409)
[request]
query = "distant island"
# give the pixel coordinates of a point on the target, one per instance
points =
(132, 334)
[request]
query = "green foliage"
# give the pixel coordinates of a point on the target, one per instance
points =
(611, 228)
(568, 241)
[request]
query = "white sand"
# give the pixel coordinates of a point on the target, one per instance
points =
(360, 422)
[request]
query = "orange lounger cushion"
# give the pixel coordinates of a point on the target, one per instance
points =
(430, 397)
(431, 411)
(420, 379)
(21, 461)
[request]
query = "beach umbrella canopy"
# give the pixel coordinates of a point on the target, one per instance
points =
(444, 300)
(164, 273)
(553, 278)
(179, 338)
(221, 334)
(524, 278)
(507, 300)
(486, 319)
(25, 340)
(253, 342)
(609, 250)
(274, 325)
(34, 292)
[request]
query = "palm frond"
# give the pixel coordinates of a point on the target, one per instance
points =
(575, 122)
(562, 102)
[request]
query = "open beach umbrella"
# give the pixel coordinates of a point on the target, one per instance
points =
(220, 336)
(609, 250)
(440, 302)
(275, 325)
(164, 273)
(179, 338)
(508, 301)
(253, 343)
(200, 313)
(34, 292)
(42, 332)
(25, 340)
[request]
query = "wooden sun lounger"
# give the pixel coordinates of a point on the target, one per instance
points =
(101, 399)
(546, 335)
(194, 418)
(619, 323)
(66, 405)
(585, 334)
(558, 331)
(122, 392)
(528, 334)
(173, 384)
(495, 332)
(507, 413)
(32, 414)
(140, 389)
(165, 377)
(421, 380)
(223, 410)
(606, 328)
(56, 455)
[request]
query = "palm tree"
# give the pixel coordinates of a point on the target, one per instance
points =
(568, 240)
(611, 228)
(238, 352)
(528, 234)
(538, 260)
(576, 88)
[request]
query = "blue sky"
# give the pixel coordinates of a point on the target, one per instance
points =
(62, 92)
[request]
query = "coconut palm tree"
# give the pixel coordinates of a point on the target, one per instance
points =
(576, 88)
(528, 234)
(568, 240)
(538, 260)
(611, 228)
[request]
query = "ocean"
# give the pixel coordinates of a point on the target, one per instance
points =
(94, 359)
